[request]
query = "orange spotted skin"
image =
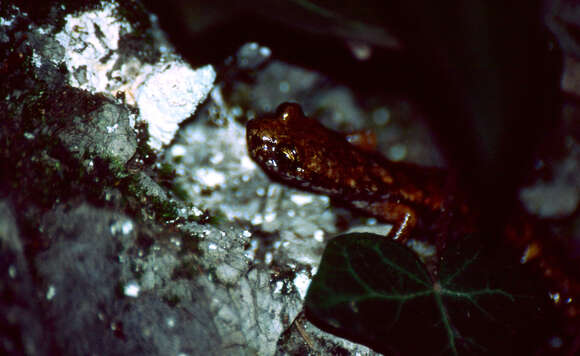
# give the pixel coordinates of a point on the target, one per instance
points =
(299, 151)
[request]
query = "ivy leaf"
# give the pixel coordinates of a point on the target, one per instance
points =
(374, 291)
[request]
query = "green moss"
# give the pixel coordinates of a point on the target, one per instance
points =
(180, 191)
(217, 218)
(165, 176)
(161, 210)
(146, 154)
(117, 167)
(131, 185)
(165, 209)
(166, 171)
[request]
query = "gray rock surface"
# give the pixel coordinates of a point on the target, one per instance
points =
(85, 273)
(104, 132)
(23, 331)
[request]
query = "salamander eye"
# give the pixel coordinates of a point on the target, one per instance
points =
(286, 158)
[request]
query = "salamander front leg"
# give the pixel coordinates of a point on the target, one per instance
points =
(403, 217)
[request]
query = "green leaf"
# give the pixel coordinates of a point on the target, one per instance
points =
(377, 292)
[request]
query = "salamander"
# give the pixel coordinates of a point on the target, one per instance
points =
(301, 152)
(298, 151)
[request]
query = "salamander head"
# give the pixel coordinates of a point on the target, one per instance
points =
(299, 151)
(277, 142)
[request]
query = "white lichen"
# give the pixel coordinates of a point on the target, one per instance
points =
(166, 92)
(91, 40)
(170, 95)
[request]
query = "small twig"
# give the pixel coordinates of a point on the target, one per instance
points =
(303, 332)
